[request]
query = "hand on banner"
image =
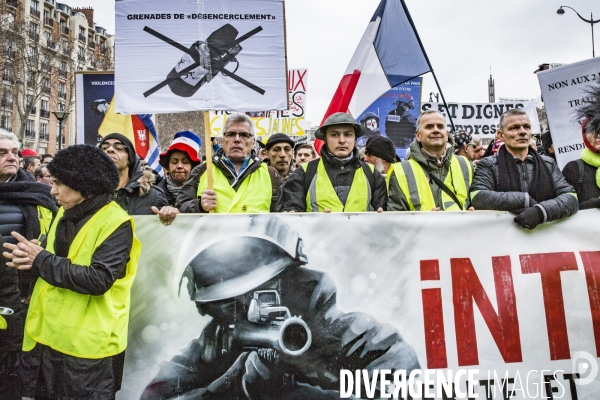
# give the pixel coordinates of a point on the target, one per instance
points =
(530, 217)
(435, 209)
(471, 208)
(23, 253)
(208, 201)
(166, 214)
(326, 210)
(379, 210)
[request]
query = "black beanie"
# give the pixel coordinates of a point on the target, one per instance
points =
(381, 147)
(279, 138)
(546, 141)
(85, 169)
(130, 147)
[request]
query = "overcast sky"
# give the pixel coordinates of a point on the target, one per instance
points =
(463, 39)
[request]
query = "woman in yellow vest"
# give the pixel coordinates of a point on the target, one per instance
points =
(76, 326)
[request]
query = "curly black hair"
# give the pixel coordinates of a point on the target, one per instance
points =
(590, 110)
(86, 169)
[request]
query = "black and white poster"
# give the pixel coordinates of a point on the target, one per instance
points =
(402, 305)
(186, 55)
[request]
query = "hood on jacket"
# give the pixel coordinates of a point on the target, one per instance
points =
(140, 177)
(417, 155)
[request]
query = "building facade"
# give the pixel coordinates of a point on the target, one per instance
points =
(44, 43)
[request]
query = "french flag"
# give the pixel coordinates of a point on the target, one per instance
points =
(389, 54)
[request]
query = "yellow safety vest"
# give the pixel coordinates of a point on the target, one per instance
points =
(414, 183)
(82, 325)
(321, 193)
(45, 218)
(253, 196)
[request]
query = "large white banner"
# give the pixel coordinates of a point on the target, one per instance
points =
(481, 119)
(187, 55)
(563, 91)
(508, 311)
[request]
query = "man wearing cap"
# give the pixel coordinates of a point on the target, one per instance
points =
(281, 149)
(27, 208)
(338, 181)
(242, 183)
(464, 145)
(381, 153)
(137, 192)
(434, 178)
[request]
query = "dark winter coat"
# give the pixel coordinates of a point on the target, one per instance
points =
(484, 195)
(341, 175)
(588, 192)
(188, 200)
(140, 194)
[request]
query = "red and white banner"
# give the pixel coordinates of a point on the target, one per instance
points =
(508, 312)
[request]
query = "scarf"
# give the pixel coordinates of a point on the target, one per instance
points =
(69, 225)
(172, 188)
(540, 188)
(593, 159)
(28, 195)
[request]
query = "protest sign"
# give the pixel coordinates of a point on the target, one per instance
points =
(481, 119)
(93, 91)
(199, 55)
(290, 122)
(394, 115)
(420, 293)
(563, 90)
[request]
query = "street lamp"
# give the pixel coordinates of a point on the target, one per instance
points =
(590, 21)
(60, 116)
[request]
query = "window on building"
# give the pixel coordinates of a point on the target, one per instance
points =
(6, 122)
(62, 91)
(34, 5)
(43, 131)
(29, 130)
(44, 105)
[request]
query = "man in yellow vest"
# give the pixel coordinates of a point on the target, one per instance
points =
(242, 183)
(77, 323)
(338, 181)
(433, 178)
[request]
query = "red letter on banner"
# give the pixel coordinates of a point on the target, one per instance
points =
(433, 317)
(503, 326)
(591, 265)
(549, 265)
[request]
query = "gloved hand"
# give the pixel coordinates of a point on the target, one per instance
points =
(530, 217)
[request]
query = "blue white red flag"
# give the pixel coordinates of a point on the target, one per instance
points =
(389, 54)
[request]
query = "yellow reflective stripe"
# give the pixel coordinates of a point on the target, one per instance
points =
(359, 196)
(3, 324)
(253, 195)
(45, 218)
(474, 193)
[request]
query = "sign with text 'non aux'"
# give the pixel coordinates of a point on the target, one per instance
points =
(481, 119)
(291, 122)
(187, 55)
(563, 91)
(276, 307)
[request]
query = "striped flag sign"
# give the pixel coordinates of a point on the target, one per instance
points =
(388, 54)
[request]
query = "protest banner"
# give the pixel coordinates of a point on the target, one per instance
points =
(394, 115)
(510, 311)
(563, 90)
(93, 91)
(199, 55)
(481, 119)
(290, 121)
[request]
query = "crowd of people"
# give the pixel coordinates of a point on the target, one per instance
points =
(70, 252)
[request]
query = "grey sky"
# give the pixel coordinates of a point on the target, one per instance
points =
(463, 39)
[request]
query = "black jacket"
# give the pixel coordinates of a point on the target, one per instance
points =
(485, 197)
(188, 200)
(140, 194)
(588, 192)
(341, 175)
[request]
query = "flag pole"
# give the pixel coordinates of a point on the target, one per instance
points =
(412, 24)
(208, 152)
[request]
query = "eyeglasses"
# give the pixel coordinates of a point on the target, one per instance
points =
(242, 135)
(117, 146)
